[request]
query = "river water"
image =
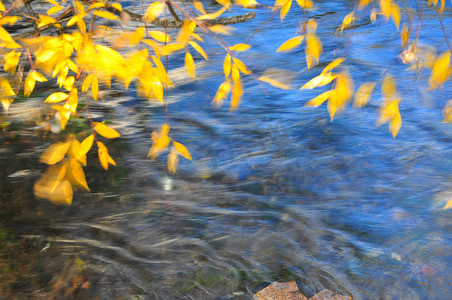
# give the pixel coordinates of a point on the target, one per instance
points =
(275, 190)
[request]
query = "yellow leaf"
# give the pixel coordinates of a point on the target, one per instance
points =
(72, 101)
(291, 43)
(222, 92)
(5, 88)
(448, 204)
(69, 83)
(104, 157)
(199, 6)
(2, 7)
(343, 92)
(394, 124)
(170, 48)
(227, 65)
(404, 35)
(213, 15)
(245, 3)
(237, 90)
(95, 87)
(190, 65)
(105, 131)
(54, 10)
(320, 80)
(224, 2)
(388, 112)
(62, 194)
(153, 11)
(222, 29)
(274, 83)
(185, 32)
(333, 65)
(159, 36)
(173, 161)
(385, 6)
(96, 5)
(63, 113)
(117, 6)
(6, 103)
(388, 88)
(161, 141)
(9, 19)
(348, 19)
(241, 66)
(199, 49)
(54, 153)
(85, 146)
(182, 150)
(58, 172)
(46, 20)
(313, 47)
(29, 84)
(38, 76)
(440, 71)
(240, 47)
(395, 14)
(56, 97)
(311, 26)
(87, 82)
(364, 3)
(304, 3)
(285, 9)
(76, 175)
(317, 101)
(137, 36)
(11, 61)
(363, 94)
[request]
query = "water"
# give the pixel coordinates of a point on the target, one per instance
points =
(275, 190)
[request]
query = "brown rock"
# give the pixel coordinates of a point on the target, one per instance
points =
(280, 291)
(329, 295)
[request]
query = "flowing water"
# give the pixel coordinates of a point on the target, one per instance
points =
(275, 190)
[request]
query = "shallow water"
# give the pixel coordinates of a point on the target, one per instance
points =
(275, 190)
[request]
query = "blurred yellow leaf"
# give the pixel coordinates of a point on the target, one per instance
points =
(2, 7)
(291, 43)
(154, 10)
(199, 6)
(241, 66)
(394, 124)
(85, 146)
(29, 85)
(75, 174)
(56, 97)
(224, 2)
(106, 15)
(222, 29)
(190, 65)
(222, 92)
(104, 158)
(333, 65)
(385, 6)
(213, 15)
(62, 194)
(227, 65)
(304, 3)
(240, 47)
(6, 103)
(199, 49)
(320, 80)
(448, 204)
(404, 35)
(363, 3)
(245, 3)
(317, 101)
(87, 82)
(237, 89)
(285, 9)
(11, 61)
(117, 6)
(182, 150)
(440, 71)
(159, 36)
(388, 88)
(363, 94)
(9, 19)
(395, 14)
(343, 92)
(95, 87)
(161, 141)
(313, 49)
(55, 153)
(274, 83)
(170, 48)
(105, 131)
(348, 20)
(387, 112)
(173, 161)
(5, 88)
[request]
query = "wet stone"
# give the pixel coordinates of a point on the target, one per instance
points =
(289, 291)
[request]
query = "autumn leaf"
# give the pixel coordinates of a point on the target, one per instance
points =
(55, 153)
(363, 94)
(333, 65)
(104, 158)
(182, 150)
(199, 49)
(240, 47)
(5, 88)
(317, 101)
(105, 131)
(161, 141)
(173, 161)
(448, 204)
(395, 14)
(304, 3)
(440, 71)
(56, 97)
(285, 9)
(222, 92)
(227, 64)
(320, 80)
(106, 15)
(348, 20)
(190, 65)
(75, 174)
(213, 15)
(291, 43)
(154, 10)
